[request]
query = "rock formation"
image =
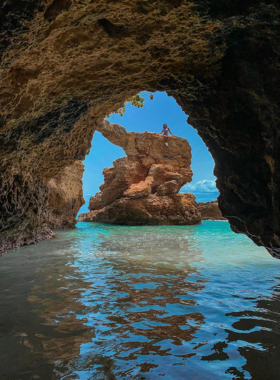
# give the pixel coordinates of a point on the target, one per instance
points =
(65, 65)
(143, 187)
(210, 211)
(66, 196)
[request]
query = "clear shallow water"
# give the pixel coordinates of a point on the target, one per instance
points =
(111, 302)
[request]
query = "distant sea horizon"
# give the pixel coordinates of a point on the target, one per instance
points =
(202, 196)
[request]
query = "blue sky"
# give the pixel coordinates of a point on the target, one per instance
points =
(162, 109)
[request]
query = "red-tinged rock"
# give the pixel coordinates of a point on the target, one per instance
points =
(142, 188)
(178, 209)
(167, 188)
(138, 190)
(96, 203)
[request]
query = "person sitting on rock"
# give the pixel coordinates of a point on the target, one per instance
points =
(165, 131)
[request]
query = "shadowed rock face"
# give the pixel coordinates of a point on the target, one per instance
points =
(65, 65)
(143, 187)
(210, 211)
(66, 196)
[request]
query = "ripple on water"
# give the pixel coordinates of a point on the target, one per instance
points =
(113, 302)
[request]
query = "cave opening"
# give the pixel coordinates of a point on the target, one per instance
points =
(85, 59)
(157, 110)
(110, 302)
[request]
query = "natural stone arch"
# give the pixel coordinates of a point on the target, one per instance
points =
(143, 187)
(66, 64)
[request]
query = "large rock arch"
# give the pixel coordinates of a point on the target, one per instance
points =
(67, 64)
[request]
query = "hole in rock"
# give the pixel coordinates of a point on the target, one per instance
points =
(157, 111)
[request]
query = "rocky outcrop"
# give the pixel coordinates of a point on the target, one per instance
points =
(66, 196)
(210, 210)
(143, 187)
(65, 65)
(176, 209)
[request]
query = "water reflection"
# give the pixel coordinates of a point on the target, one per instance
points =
(58, 305)
(106, 302)
(258, 332)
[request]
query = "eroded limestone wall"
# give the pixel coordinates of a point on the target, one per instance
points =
(66, 196)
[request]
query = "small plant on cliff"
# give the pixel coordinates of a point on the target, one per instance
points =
(136, 101)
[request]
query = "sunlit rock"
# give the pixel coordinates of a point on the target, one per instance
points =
(143, 187)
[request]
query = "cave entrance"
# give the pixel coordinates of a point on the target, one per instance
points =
(84, 60)
(155, 112)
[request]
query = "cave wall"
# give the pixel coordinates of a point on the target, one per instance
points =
(67, 64)
(65, 196)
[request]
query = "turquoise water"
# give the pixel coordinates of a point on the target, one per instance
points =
(113, 302)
